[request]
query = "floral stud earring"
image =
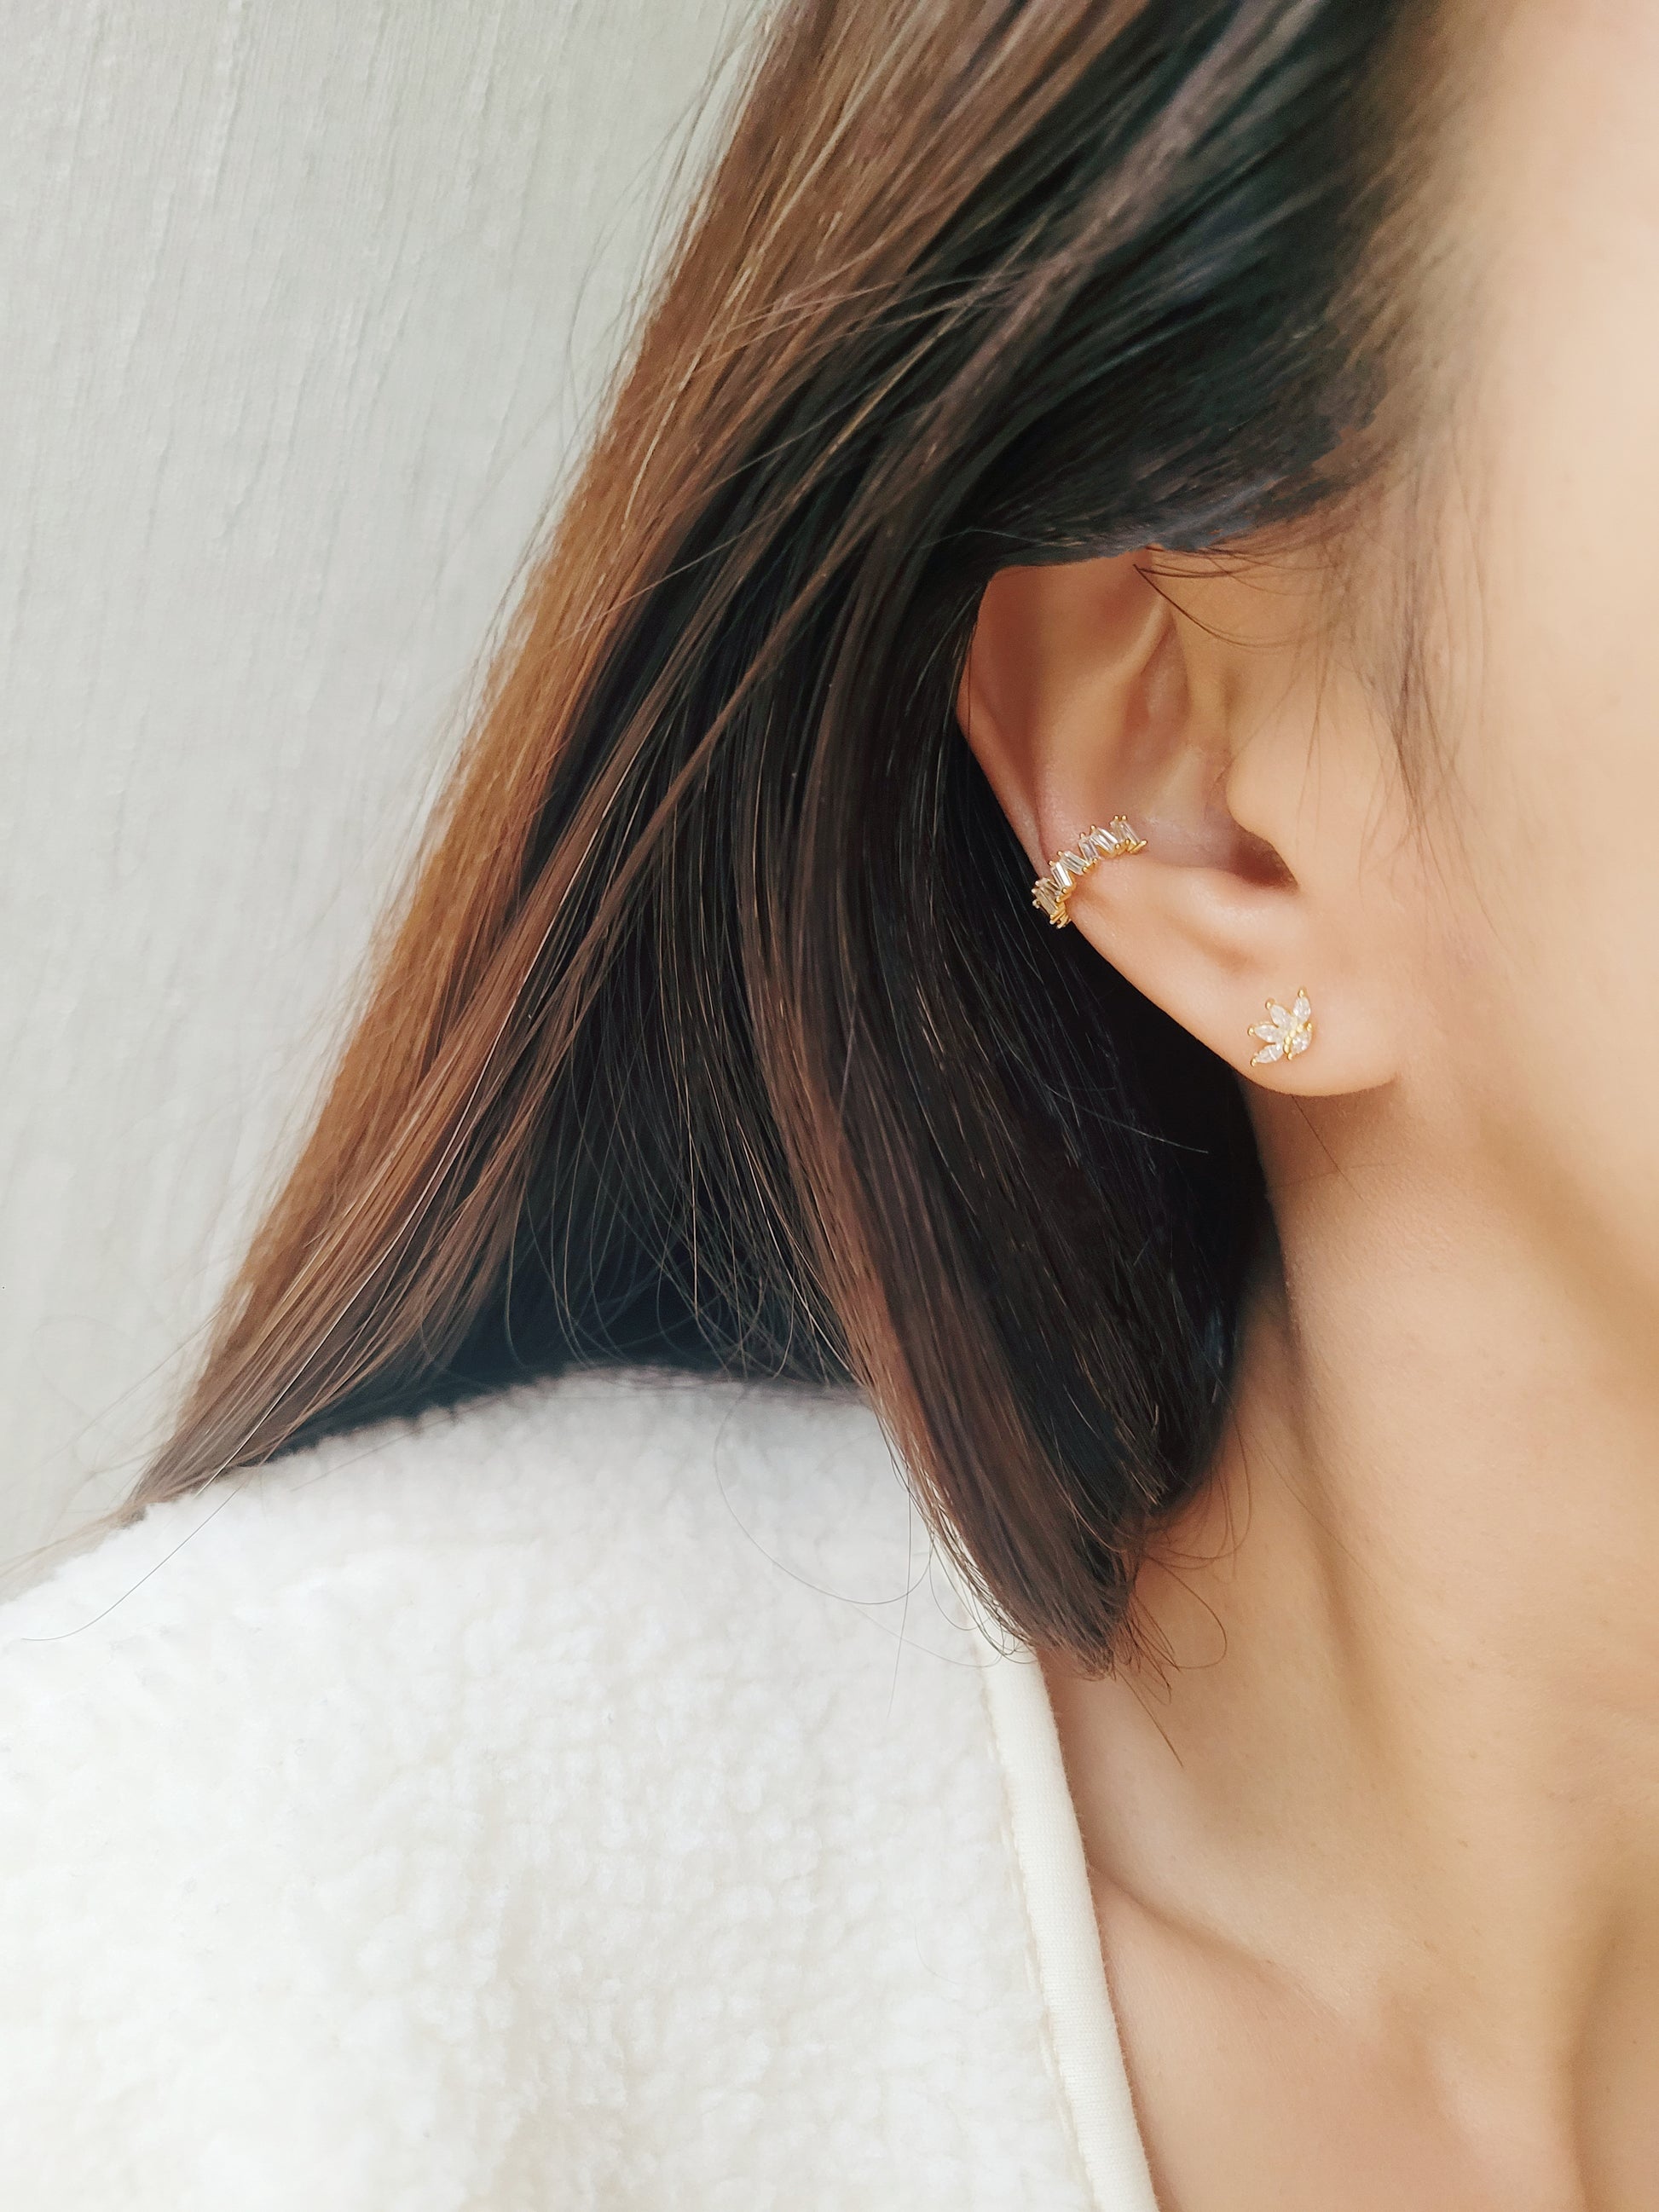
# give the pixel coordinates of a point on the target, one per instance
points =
(1285, 1032)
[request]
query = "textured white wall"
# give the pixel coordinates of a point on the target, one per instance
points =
(304, 307)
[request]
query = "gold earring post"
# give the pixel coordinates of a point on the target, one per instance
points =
(1050, 892)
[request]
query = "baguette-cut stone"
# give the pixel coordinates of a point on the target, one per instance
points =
(1050, 892)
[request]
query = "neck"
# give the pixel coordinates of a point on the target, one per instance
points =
(1394, 1727)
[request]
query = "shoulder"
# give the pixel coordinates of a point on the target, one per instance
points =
(603, 1597)
(628, 1466)
(634, 1504)
(590, 1784)
(359, 1768)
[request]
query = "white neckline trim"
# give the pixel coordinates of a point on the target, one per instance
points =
(1061, 1908)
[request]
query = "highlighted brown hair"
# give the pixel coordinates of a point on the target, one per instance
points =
(714, 1028)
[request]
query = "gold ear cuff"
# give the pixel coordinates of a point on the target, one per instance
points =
(1050, 892)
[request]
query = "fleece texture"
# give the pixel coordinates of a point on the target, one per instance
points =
(584, 1798)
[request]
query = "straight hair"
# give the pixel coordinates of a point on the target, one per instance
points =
(713, 1028)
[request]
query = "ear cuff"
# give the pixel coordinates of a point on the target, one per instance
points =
(1050, 892)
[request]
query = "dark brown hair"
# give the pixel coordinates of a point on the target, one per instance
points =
(715, 1028)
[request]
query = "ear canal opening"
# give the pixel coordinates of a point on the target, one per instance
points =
(1258, 862)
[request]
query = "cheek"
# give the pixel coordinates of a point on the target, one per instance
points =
(1553, 932)
(1552, 558)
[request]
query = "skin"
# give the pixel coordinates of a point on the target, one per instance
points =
(1375, 1848)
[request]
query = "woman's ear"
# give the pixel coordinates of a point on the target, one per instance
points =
(1189, 696)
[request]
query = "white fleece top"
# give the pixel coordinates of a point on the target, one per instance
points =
(594, 1799)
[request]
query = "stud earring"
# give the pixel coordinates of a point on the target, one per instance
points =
(1050, 892)
(1286, 1031)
